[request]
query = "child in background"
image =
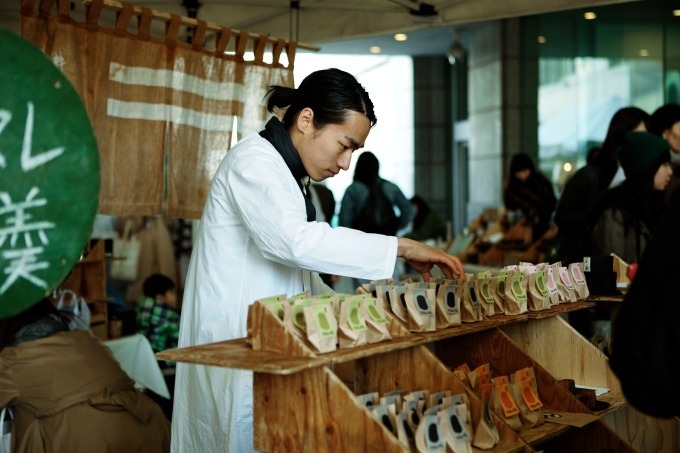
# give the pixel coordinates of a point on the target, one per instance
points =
(157, 318)
(158, 321)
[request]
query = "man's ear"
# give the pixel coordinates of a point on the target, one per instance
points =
(305, 121)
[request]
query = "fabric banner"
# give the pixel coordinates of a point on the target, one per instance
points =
(155, 101)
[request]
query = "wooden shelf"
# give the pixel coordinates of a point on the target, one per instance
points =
(329, 415)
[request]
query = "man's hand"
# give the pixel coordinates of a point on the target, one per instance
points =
(423, 258)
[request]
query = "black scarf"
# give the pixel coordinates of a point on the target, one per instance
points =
(276, 134)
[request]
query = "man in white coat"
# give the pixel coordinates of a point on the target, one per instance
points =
(258, 238)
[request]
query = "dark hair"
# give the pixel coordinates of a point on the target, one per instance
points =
(637, 196)
(624, 120)
(422, 212)
(519, 162)
(157, 284)
(9, 327)
(664, 118)
(366, 170)
(330, 93)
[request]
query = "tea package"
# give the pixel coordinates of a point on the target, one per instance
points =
(368, 399)
(420, 303)
(437, 398)
(538, 293)
(503, 404)
(448, 306)
(457, 435)
(579, 281)
(275, 304)
(486, 435)
(524, 391)
(294, 316)
(482, 287)
(515, 293)
(397, 300)
(303, 295)
(553, 292)
(471, 309)
(405, 432)
(479, 377)
(497, 288)
(418, 395)
(352, 330)
(322, 327)
(374, 315)
(414, 412)
(429, 435)
(565, 285)
(387, 415)
(462, 372)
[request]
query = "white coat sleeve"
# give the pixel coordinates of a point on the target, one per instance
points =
(272, 209)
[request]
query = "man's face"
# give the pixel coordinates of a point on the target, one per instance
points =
(326, 151)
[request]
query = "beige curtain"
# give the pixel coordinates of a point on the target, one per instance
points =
(155, 100)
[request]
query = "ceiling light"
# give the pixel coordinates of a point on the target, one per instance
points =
(456, 52)
(644, 52)
(375, 49)
(567, 167)
(400, 37)
(541, 39)
(676, 12)
(589, 15)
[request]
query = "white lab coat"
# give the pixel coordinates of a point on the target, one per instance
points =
(254, 242)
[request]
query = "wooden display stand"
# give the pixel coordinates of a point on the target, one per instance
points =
(88, 280)
(300, 403)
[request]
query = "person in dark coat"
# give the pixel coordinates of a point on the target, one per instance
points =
(574, 211)
(627, 215)
(530, 192)
(645, 335)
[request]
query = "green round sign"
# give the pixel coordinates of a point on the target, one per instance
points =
(49, 175)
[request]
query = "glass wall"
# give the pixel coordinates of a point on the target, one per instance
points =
(592, 63)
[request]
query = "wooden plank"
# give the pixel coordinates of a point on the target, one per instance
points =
(237, 354)
(418, 369)
(563, 352)
(593, 437)
(559, 309)
(616, 401)
(642, 432)
(270, 334)
(313, 411)
(542, 433)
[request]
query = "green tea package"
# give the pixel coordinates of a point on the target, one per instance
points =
(294, 316)
(539, 298)
(303, 295)
(429, 435)
(352, 330)
(471, 308)
(275, 304)
(420, 304)
(486, 435)
(334, 299)
(322, 327)
(397, 299)
(524, 390)
(515, 293)
(497, 288)
(457, 436)
(579, 281)
(448, 306)
(503, 404)
(374, 315)
(483, 288)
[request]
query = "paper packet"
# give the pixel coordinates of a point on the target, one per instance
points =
(420, 303)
